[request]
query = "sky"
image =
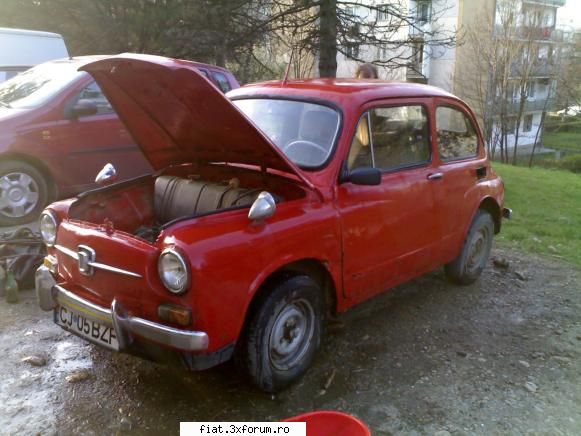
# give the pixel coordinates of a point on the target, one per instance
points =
(570, 14)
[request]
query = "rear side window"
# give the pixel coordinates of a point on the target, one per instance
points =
(457, 137)
(222, 81)
(389, 138)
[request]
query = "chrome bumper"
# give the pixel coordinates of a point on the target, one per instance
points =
(506, 213)
(50, 295)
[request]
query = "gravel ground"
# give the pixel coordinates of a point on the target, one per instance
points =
(497, 357)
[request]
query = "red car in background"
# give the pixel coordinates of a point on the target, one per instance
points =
(57, 130)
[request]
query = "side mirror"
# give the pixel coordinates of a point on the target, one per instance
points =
(83, 108)
(364, 176)
(107, 175)
(263, 207)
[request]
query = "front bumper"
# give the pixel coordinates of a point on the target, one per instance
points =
(127, 328)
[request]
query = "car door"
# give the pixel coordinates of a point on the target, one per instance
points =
(91, 141)
(461, 165)
(388, 230)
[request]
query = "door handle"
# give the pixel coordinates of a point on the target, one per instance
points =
(435, 176)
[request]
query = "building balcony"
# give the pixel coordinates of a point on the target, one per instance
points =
(537, 105)
(553, 3)
(540, 69)
(419, 29)
(549, 34)
(540, 33)
(412, 74)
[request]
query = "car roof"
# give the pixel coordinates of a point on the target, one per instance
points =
(26, 32)
(338, 90)
(83, 60)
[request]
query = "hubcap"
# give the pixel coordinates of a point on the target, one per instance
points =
(477, 250)
(18, 195)
(291, 334)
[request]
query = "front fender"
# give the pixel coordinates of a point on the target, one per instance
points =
(231, 258)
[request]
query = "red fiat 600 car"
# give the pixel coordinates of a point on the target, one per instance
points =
(268, 210)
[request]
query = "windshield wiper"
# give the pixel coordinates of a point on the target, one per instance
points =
(5, 104)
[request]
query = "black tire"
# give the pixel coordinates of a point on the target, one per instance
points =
(292, 310)
(24, 192)
(473, 257)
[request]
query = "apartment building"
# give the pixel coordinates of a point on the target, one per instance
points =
(519, 84)
(532, 35)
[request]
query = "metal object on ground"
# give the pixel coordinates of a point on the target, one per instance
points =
(21, 252)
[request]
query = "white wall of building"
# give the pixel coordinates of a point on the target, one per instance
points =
(438, 61)
(443, 59)
(527, 131)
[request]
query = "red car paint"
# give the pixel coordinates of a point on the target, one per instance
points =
(71, 151)
(363, 239)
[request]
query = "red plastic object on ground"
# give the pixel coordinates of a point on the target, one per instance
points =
(327, 423)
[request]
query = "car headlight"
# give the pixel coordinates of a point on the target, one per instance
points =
(48, 227)
(173, 271)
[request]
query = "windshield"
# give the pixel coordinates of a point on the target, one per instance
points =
(305, 132)
(37, 85)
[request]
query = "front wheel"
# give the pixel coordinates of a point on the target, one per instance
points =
(283, 334)
(23, 192)
(468, 266)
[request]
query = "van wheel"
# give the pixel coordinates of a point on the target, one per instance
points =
(468, 266)
(23, 192)
(283, 334)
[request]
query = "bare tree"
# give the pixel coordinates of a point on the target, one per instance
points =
(499, 75)
(328, 27)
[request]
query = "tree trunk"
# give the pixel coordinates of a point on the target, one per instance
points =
(521, 108)
(328, 38)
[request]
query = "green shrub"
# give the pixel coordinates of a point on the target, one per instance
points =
(571, 163)
(571, 124)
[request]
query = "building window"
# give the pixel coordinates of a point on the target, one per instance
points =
(350, 11)
(383, 12)
(423, 12)
(510, 125)
(352, 50)
(417, 58)
(530, 90)
(384, 52)
(528, 123)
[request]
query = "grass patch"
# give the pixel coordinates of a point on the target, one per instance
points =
(566, 141)
(546, 208)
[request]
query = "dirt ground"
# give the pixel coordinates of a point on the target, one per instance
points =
(499, 357)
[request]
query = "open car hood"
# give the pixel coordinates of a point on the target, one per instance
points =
(178, 116)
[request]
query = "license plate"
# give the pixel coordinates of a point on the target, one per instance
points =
(80, 325)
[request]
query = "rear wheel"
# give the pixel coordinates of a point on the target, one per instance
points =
(468, 266)
(283, 334)
(23, 192)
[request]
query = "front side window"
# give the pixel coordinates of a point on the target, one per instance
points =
(457, 137)
(390, 138)
(93, 93)
(304, 132)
